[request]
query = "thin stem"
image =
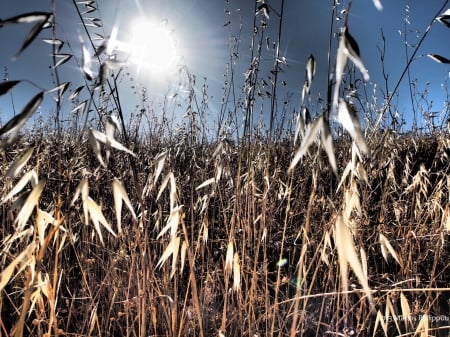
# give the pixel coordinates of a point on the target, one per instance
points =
(275, 70)
(413, 55)
(329, 79)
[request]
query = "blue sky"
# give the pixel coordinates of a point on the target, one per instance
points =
(202, 37)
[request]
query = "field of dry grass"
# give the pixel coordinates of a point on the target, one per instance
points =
(243, 254)
(314, 230)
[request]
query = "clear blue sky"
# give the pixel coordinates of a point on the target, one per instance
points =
(202, 38)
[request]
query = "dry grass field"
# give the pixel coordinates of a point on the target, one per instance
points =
(247, 253)
(312, 232)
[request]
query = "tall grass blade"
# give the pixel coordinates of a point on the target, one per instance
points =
(306, 116)
(95, 145)
(15, 123)
(439, 58)
(219, 171)
(347, 170)
(6, 86)
(7, 273)
(311, 68)
(380, 320)
(204, 230)
(109, 141)
(43, 219)
(30, 176)
(102, 75)
(30, 204)
(351, 203)
(40, 17)
(310, 72)
(83, 189)
(207, 182)
(98, 218)
(61, 89)
(55, 42)
(9, 239)
(444, 18)
(171, 249)
(347, 255)
(423, 327)
(264, 10)
(378, 5)
(348, 48)
(184, 247)
(361, 173)
(93, 22)
(111, 126)
(176, 249)
(387, 247)
(93, 319)
(406, 310)
(160, 160)
(390, 314)
(236, 272)
(446, 218)
(303, 124)
(310, 136)
(86, 63)
(19, 163)
(118, 203)
(341, 62)
(229, 257)
(172, 222)
(352, 50)
(120, 194)
(347, 118)
(365, 268)
(445, 22)
(86, 2)
(173, 190)
(76, 92)
(63, 58)
(300, 129)
(163, 185)
(218, 150)
(18, 202)
(80, 107)
(446, 14)
(27, 18)
(327, 142)
(326, 248)
(36, 296)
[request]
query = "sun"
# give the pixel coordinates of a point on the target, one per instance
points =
(153, 45)
(150, 46)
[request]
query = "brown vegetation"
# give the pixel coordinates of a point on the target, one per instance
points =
(115, 229)
(280, 226)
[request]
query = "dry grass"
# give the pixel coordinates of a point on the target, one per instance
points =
(245, 254)
(172, 233)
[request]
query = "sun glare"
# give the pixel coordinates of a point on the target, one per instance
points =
(152, 46)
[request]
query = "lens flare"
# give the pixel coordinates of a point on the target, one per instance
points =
(152, 46)
(148, 45)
